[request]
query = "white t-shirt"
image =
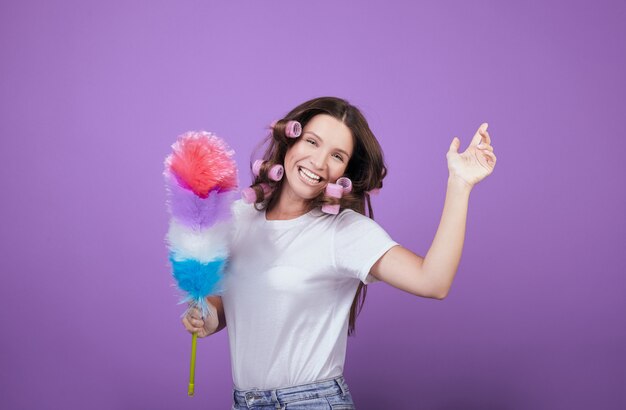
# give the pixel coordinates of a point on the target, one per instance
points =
(288, 290)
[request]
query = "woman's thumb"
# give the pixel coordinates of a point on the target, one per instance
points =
(454, 146)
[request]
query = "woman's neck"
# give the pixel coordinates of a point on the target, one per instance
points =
(288, 206)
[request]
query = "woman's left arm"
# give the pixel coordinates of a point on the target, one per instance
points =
(432, 275)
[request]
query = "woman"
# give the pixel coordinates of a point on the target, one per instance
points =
(296, 274)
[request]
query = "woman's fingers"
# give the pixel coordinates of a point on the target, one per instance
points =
(492, 158)
(196, 324)
(193, 325)
(485, 136)
(188, 326)
(480, 134)
(196, 318)
(195, 313)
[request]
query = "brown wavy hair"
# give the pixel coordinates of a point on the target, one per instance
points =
(366, 168)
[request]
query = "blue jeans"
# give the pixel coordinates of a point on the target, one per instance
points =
(326, 394)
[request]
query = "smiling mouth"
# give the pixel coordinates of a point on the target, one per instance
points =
(310, 177)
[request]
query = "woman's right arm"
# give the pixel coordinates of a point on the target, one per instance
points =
(211, 324)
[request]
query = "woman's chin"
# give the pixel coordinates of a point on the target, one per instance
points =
(307, 194)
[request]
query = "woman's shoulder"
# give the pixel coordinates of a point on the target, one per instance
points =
(349, 217)
(351, 214)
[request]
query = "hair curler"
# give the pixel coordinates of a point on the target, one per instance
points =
(346, 184)
(336, 190)
(293, 129)
(275, 172)
(249, 194)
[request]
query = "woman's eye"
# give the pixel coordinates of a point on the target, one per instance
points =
(339, 157)
(310, 141)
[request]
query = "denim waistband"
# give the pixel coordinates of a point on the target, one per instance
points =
(283, 396)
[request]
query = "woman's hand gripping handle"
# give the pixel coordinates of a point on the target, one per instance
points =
(213, 323)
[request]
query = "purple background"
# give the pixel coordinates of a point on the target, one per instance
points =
(92, 96)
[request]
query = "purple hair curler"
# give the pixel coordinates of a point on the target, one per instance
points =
(293, 129)
(249, 195)
(335, 191)
(275, 173)
(346, 184)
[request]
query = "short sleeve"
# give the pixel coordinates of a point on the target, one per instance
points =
(242, 215)
(358, 244)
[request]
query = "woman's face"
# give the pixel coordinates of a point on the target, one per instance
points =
(320, 156)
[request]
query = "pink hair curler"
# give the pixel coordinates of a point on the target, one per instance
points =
(275, 173)
(346, 184)
(293, 129)
(336, 190)
(249, 195)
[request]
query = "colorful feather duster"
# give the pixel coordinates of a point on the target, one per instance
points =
(201, 181)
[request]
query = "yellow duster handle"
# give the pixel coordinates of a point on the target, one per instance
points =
(192, 368)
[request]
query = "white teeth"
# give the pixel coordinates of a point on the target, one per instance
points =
(308, 178)
(310, 174)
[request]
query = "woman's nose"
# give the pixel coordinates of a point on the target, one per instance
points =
(317, 161)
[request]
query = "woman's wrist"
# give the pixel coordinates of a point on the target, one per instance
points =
(457, 183)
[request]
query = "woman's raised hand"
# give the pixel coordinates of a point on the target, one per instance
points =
(476, 162)
(194, 323)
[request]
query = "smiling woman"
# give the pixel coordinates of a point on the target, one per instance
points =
(336, 141)
(303, 253)
(314, 160)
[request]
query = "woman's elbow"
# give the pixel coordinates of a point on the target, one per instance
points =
(439, 289)
(440, 294)
(434, 294)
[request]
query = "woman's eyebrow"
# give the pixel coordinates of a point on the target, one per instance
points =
(321, 139)
(311, 132)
